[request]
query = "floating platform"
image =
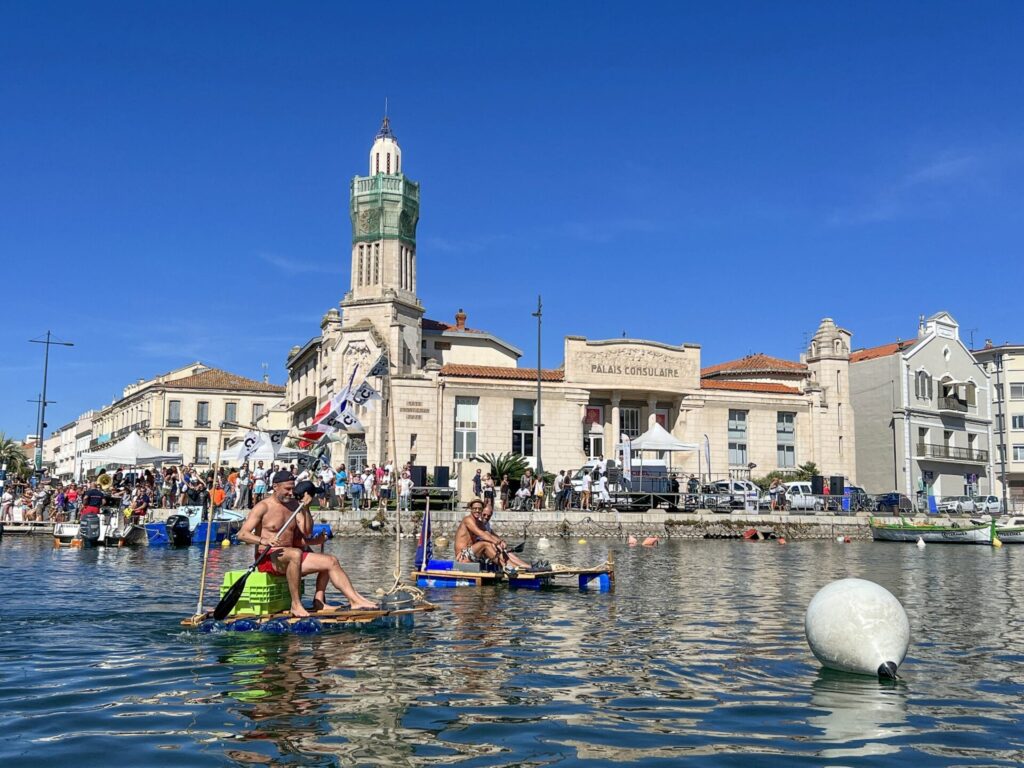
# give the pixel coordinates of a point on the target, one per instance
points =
(282, 622)
(449, 574)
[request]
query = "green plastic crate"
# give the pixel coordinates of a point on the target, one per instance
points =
(264, 593)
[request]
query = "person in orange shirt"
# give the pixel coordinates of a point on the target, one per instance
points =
(217, 496)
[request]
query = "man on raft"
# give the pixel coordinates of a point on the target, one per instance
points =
(290, 554)
(475, 543)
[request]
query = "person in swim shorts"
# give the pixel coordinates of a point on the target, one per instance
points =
(475, 544)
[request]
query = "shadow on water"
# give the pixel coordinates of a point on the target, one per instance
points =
(697, 657)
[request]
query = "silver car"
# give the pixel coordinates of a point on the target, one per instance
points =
(957, 505)
(988, 505)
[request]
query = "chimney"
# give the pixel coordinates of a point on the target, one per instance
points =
(988, 344)
(920, 326)
(460, 320)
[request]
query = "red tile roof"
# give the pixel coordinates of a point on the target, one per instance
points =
(214, 378)
(756, 363)
(749, 386)
(499, 372)
(437, 325)
(883, 350)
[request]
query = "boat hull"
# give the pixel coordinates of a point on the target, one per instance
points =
(931, 534)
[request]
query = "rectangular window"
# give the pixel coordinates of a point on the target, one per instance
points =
(737, 438)
(1016, 422)
(202, 414)
(257, 412)
(174, 413)
(376, 263)
(202, 455)
(1017, 391)
(1018, 452)
(785, 438)
(231, 412)
(466, 415)
(522, 427)
(629, 422)
(593, 445)
(173, 444)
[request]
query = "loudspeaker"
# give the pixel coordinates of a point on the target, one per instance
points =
(419, 476)
(440, 477)
(837, 485)
(817, 485)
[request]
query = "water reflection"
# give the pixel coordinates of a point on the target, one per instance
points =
(864, 713)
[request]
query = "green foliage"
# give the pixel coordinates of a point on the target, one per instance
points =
(804, 471)
(511, 464)
(14, 457)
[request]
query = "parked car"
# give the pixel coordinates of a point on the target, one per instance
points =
(893, 503)
(859, 499)
(800, 496)
(956, 505)
(725, 495)
(989, 505)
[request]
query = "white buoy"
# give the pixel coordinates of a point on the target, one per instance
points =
(920, 543)
(854, 625)
(543, 543)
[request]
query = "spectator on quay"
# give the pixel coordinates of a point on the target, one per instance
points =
(6, 506)
(538, 492)
(71, 496)
(405, 493)
(369, 486)
(384, 493)
(503, 492)
(356, 490)
(60, 503)
(478, 484)
(259, 478)
(773, 494)
(603, 496)
(244, 486)
(588, 483)
(140, 507)
(556, 488)
(340, 486)
(327, 483)
(488, 487)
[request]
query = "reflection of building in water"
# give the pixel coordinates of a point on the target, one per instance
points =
(860, 711)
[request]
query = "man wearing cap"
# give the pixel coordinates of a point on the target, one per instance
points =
(289, 548)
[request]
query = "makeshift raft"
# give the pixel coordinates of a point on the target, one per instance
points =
(448, 574)
(282, 622)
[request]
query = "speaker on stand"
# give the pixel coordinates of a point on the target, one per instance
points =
(418, 475)
(440, 477)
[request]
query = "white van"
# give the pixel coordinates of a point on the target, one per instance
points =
(799, 496)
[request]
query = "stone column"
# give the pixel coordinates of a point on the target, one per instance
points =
(652, 405)
(609, 450)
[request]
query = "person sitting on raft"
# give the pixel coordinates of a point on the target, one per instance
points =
(475, 544)
(289, 554)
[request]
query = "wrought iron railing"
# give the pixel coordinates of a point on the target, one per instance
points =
(952, 452)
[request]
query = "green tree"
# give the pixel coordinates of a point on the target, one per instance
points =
(804, 471)
(14, 457)
(511, 464)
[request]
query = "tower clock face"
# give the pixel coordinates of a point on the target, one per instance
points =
(368, 222)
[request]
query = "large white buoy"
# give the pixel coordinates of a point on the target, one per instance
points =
(920, 543)
(543, 543)
(854, 625)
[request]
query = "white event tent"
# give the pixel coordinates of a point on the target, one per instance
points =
(657, 438)
(131, 452)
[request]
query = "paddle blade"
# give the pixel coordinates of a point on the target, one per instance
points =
(518, 547)
(230, 599)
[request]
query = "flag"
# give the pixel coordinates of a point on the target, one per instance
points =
(381, 367)
(276, 438)
(365, 394)
(707, 453)
(425, 546)
(252, 443)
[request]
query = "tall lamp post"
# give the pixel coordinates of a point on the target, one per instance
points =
(539, 425)
(1002, 431)
(48, 341)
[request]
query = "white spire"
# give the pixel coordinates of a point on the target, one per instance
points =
(385, 155)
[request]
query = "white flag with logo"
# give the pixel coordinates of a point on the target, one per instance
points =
(381, 367)
(252, 442)
(365, 395)
(276, 438)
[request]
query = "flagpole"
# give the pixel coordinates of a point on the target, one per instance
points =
(209, 519)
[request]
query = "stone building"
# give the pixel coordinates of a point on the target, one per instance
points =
(180, 411)
(455, 391)
(1005, 366)
(922, 415)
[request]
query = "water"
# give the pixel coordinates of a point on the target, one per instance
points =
(698, 657)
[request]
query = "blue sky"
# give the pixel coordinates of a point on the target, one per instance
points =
(174, 176)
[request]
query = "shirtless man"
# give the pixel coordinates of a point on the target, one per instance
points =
(290, 555)
(475, 544)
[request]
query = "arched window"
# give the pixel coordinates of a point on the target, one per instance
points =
(923, 386)
(972, 395)
(397, 162)
(376, 168)
(389, 163)
(837, 345)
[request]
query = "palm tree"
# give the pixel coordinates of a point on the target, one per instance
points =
(14, 457)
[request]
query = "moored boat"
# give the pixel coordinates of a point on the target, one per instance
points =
(187, 527)
(107, 529)
(1009, 530)
(909, 531)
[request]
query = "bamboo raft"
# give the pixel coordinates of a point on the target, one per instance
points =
(444, 574)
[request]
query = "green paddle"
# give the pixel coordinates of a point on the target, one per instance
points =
(230, 598)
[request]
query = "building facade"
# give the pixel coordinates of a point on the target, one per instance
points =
(455, 392)
(179, 411)
(1005, 366)
(922, 415)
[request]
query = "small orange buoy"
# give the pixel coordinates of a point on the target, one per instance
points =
(782, 540)
(651, 541)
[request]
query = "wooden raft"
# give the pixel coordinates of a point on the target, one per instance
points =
(333, 618)
(602, 575)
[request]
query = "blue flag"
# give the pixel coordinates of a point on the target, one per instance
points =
(425, 546)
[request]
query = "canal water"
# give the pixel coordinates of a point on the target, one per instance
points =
(698, 657)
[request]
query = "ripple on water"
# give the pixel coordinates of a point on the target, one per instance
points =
(697, 657)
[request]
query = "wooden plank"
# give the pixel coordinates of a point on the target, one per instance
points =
(335, 617)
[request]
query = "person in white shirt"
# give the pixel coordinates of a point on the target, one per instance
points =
(588, 483)
(7, 505)
(326, 475)
(405, 492)
(556, 488)
(538, 491)
(384, 494)
(369, 478)
(602, 489)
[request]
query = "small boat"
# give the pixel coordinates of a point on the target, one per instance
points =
(187, 527)
(107, 529)
(1009, 530)
(910, 531)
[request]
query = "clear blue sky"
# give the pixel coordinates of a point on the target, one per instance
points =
(174, 176)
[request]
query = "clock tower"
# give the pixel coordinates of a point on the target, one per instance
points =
(385, 209)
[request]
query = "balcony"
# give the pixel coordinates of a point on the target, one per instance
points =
(952, 405)
(174, 422)
(951, 453)
(202, 423)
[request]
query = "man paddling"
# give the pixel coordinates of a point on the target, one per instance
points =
(289, 555)
(474, 543)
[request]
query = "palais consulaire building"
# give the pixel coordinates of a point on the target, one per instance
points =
(456, 391)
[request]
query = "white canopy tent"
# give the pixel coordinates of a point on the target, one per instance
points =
(657, 438)
(131, 452)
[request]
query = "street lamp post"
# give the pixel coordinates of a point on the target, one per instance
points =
(42, 398)
(1002, 431)
(539, 425)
